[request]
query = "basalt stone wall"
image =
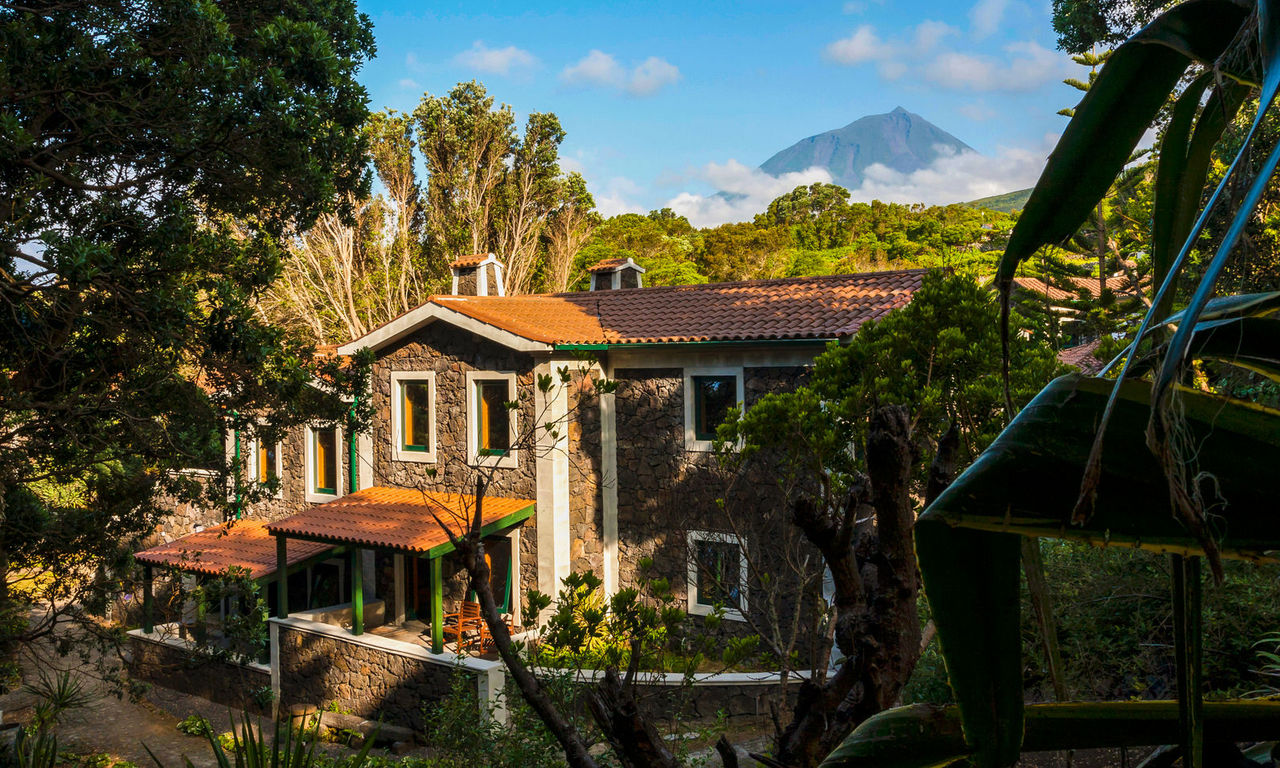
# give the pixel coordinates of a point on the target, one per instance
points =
(451, 353)
(179, 669)
(586, 524)
(320, 669)
(664, 490)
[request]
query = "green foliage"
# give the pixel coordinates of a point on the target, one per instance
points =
(195, 725)
(289, 747)
(939, 355)
(1115, 624)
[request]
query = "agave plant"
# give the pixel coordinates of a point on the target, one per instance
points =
(290, 747)
(1140, 460)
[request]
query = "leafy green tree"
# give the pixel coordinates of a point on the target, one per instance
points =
(1084, 24)
(884, 421)
(152, 156)
(817, 215)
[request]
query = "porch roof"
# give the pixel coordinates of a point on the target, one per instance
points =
(399, 519)
(242, 544)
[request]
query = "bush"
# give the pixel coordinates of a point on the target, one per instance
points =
(195, 725)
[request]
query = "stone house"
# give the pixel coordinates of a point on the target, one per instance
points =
(578, 480)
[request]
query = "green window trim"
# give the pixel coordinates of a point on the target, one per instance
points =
(411, 413)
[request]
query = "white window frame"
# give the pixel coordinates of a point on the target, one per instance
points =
(398, 453)
(511, 459)
(253, 465)
(310, 471)
(691, 441)
(698, 609)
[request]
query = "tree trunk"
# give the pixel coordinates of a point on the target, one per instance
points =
(634, 739)
(877, 625)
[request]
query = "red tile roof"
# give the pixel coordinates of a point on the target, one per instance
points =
(607, 265)
(244, 544)
(826, 307)
(1068, 289)
(472, 260)
(393, 518)
(1083, 357)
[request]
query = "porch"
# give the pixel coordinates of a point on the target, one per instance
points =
(315, 565)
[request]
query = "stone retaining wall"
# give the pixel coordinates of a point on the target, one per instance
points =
(370, 676)
(171, 663)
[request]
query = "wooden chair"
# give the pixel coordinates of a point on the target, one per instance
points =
(466, 620)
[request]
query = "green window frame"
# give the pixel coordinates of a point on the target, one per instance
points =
(415, 415)
(493, 417)
(714, 398)
(324, 461)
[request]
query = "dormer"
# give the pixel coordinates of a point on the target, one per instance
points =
(615, 274)
(479, 274)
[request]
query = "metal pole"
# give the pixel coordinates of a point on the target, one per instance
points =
(353, 475)
(148, 603)
(357, 592)
(437, 607)
(282, 577)
(1187, 643)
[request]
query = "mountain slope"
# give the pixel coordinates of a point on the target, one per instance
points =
(901, 140)
(1006, 203)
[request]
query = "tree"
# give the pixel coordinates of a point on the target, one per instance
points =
(489, 189)
(569, 226)
(154, 154)
(817, 215)
(1084, 24)
(884, 420)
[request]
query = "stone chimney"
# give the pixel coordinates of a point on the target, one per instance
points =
(615, 274)
(479, 274)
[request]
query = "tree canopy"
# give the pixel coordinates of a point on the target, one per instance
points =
(153, 155)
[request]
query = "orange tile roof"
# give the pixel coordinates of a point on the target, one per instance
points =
(1118, 285)
(472, 260)
(826, 307)
(1083, 357)
(243, 544)
(607, 264)
(393, 518)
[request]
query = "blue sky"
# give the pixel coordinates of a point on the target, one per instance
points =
(665, 102)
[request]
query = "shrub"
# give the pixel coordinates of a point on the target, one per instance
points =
(195, 725)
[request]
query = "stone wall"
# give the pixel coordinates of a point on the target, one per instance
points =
(451, 353)
(664, 490)
(169, 666)
(586, 526)
(323, 669)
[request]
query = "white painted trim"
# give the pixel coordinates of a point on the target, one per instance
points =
(691, 588)
(168, 634)
(500, 277)
(691, 441)
(516, 585)
(388, 645)
(397, 569)
(609, 489)
(511, 459)
(398, 453)
(675, 356)
(309, 469)
(552, 478)
(364, 459)
(432, 311)
(253, 465)
(645, 677)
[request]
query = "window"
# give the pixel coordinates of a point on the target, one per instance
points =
(491, 425)
(711, 397)
(265, 464)
(324, 449)
(413, 416)
(717, 574)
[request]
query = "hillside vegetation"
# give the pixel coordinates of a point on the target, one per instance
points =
(811, 230)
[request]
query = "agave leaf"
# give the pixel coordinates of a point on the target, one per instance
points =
(1124, 100)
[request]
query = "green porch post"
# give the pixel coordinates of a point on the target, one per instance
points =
(282, 577)
(437, 607)
(148, 606)
(357, 592)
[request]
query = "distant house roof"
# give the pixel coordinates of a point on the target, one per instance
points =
(1083, 357)
(797, 308)
(472, 260)
(613, 265)
(1119, 285)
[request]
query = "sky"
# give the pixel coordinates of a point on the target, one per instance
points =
(665, 103)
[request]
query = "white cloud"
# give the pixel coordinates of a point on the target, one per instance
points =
(748, 191)
(600, 69)
(413, 63)
(923, 56)
(496, 61)
(985, 16)
(617, 195)
(409, 84)
(956, 177)
(977, 110)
